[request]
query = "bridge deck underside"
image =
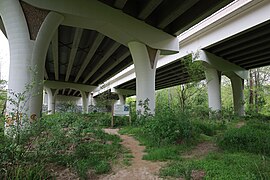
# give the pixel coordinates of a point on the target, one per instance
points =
(87, 57)
(249, 49)
(172, 74)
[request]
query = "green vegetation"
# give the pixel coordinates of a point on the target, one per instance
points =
(222, 166)
(69, 140)
(234, 147)
(243, 152)
(254, 138)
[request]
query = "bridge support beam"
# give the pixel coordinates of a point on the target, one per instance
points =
(44, 36)
(122, 99)
(145, 60)
(93, 101)
(21, 48)
(85, 102)
(51, 100)
(26, 53)
(238, 94)
(213, 78)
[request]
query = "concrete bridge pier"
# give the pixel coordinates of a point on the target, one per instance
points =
(122, 99)
(238, 93)
(51, 100)
(145, 60)
(85, 101)
(27, 55)
(21, 48)
(43, 39)
(93, 101)
(213, 78)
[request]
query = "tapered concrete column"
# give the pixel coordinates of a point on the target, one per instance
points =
(21, 48)
(145, 59)
(85, 101)
(93, 101)
(122, 99)
(26, 54)
(213, 78)
(238, 94)
(51, 100)
(44, 36)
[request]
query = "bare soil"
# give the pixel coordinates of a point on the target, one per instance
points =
(139, 169)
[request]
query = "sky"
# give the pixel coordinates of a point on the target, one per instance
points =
(4, 56)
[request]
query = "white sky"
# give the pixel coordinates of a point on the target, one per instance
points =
(4, 56)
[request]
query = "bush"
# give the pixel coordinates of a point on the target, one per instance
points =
(247, 138)
(208, 128)
(169, 127)
(104, 119)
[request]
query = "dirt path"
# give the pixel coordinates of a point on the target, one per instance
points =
(139, 169)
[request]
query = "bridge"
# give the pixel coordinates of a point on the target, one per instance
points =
(76, 46)
(230, 42)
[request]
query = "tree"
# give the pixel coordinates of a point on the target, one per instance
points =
(193, 85)
(257, 84)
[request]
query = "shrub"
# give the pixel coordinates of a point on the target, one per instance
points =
(208, 128)
(169, 127)
(69, 140)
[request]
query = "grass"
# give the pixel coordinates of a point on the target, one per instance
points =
(77, 142)
(73, 141)
(155, 152)
(222, 166)
(165, 153)
(234, 164)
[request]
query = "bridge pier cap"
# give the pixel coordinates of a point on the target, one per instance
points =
(114, 24)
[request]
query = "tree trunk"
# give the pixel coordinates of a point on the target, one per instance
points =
(251, 98)
(256, 90)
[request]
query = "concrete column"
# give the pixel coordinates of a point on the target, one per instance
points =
(51, 100)
(144, 59)
(93, 101)
(238, 94)
(122, 99)
(21, 48)
(213, 78)
(44, 36)
(85, 101)
(26, 54)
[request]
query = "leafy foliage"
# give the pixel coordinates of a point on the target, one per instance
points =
(169, 127)
(69, 140)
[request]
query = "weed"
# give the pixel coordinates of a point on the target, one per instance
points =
(69, 140)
